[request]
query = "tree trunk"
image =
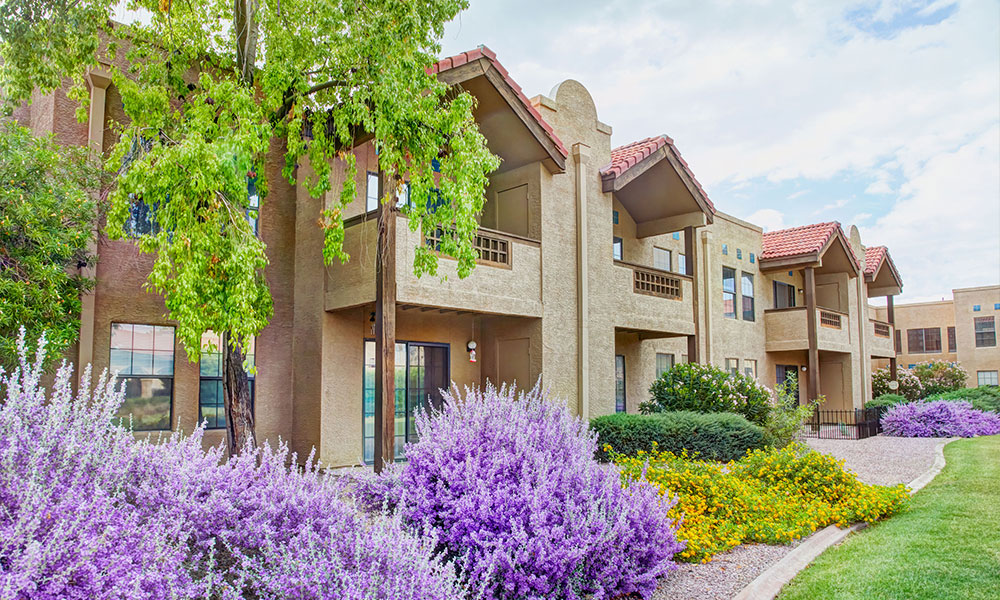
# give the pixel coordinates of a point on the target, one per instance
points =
(245, 24)
(236, 391)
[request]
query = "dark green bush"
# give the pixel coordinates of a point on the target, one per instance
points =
(982, 398)
(708, 389)
(716, 436)
(885, 401)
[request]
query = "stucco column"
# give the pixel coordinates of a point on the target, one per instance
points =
(862, 328)
(99, 82)
(706, 281)
(810, 283)
(891, 316)
(690, 262)
(581, 156)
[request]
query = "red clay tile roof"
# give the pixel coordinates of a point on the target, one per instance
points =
(873, 258)
(625, 157)
(801, 241)
(483, 52)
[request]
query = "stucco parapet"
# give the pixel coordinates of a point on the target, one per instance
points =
(543, 100)
(737, 221)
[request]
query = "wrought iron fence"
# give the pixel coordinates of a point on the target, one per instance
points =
(856, 424)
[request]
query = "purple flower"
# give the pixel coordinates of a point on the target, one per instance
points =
(939, 419)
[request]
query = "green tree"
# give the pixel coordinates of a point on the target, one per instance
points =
(209, 86)
(47, 222)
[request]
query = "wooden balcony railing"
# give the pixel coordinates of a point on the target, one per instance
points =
(493, 249)
(829, 318)
(882, 330)
(654, 282)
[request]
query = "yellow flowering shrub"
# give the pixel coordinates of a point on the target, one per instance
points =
(767, 497)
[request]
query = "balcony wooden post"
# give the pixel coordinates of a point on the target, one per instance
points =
(813, 361)
(891, 317)
(385, 325)
(689, 269)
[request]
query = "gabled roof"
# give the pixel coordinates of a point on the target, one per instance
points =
(624, 158)
(482, 52)
(875, 257)
(804, 241)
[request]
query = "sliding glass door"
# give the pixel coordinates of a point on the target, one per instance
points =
(422, 370)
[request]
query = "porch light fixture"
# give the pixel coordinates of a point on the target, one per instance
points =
(803, 367)
(471, 347)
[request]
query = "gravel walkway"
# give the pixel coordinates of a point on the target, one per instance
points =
(881, 460)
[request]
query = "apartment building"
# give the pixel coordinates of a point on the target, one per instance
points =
(961, 330)
(599, 268)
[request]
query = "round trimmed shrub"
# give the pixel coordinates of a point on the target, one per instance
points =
(939, 377)
(910, 386)
(509, 487)
(718, 436)
(708, 389)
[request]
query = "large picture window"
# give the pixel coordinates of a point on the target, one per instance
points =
(211, 402)
(986, 332)
(923, 341)
(746, 289)
(143, 357)
(729, 292)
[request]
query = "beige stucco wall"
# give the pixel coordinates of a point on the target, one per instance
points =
(919, 316)
(969, 356)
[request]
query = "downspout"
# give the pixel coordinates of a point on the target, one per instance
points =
(581, 153)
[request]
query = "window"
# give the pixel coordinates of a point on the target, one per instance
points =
(739, 254)
(752, 258)
(677, 235)
(750, 367)
(616, 248)
(911, 365)
(923, 341)
(733, 366)
(253, 206)
(746, 288)
(371, 194)
(986, 332)
(403, 194)
(684, 358)
(996, 306)
(143, 357)
(664, 362)
(614, 217)
(987, 377)
(952, 345)
(211, 402)
(899, 342)
(976, 308)
(682, 265)
(784, 295)
(729, 292)
(620, 383)
(662, 259)
(725, 249)
(141, 219)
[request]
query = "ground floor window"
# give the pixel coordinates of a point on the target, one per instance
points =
(211, 402)
(987, 377)
(733, 366)
(143, 357)
(786, 372)
(422, 370)
(619, 383)
(664, 362)
(750, 367)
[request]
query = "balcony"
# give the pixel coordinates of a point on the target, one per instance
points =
(880, 339)
(788, 329)
(507, 279)
(659, 302)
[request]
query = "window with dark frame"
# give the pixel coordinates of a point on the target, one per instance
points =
(784, 295)
(750, 367)
(143, 357)
(986, 332)
(746, 291)
(899, 342)
(952, 343)
(253, 205)
(616, 248)
(923, 341)
(729, 292)
(371, 192)
(211, 401)
(664, 362)
(662, 258)
(733, 366)
(620, 405)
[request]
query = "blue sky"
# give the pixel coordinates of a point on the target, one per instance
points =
(881, 114)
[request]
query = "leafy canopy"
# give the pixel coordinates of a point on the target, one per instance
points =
(47, 221)
(326, 75)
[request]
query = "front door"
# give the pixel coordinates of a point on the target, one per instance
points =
(422, 371)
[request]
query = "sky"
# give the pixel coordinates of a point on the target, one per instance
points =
(885, 115)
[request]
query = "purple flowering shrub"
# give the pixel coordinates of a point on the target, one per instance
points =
(939, 419)
(509, 486)
(88, 511)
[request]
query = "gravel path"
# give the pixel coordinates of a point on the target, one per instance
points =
(881, 460)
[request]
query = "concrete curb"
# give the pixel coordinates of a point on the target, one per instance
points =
(768, 584)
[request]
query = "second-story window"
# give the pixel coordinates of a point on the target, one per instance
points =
(784, 295)
(729, 292)
(899, 342)
(661, 259)
(952, 343)
(923, 341)
(616, 248)
(141, 219)
(253, 205)
(986, 332)
(682, 266)
(746, 288)
(371, 192)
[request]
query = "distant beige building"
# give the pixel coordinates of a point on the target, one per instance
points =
(961, 330)
(599, 268)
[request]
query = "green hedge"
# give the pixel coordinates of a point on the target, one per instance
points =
(982, 398)
(713, 436)
(886, 400)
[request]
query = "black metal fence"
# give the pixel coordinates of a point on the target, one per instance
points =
(856, 424)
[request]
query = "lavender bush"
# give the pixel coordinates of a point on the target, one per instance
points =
(509, 485)
(87, 511)
(939, 419)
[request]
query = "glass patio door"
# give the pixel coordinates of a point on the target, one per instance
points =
(422, 370)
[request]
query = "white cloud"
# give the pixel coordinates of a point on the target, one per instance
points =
(768, 218)
(797, 194)
(841, 203)
(860, 218)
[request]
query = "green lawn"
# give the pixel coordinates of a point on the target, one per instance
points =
(946, 546)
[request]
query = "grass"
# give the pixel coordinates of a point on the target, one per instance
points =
(946, 546)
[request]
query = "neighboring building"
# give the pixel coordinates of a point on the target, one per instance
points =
(962, 330)
(599, 268)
